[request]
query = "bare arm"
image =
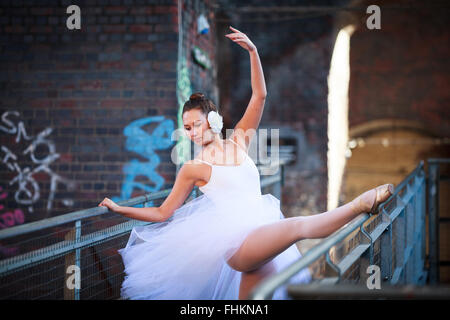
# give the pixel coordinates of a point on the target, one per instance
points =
(152, 214)
(253, 113)
(184, 184)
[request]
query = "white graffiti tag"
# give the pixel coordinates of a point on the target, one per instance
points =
(28, 191)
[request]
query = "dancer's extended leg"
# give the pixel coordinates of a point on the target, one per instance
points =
(266, 242)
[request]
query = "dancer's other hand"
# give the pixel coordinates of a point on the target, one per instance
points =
(241, 39)
(111, 205)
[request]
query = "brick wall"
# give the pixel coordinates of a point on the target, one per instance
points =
(201, 79)
(96, 105)
(402, 70)
(399, 89)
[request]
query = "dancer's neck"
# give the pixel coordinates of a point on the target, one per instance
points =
(215, 142)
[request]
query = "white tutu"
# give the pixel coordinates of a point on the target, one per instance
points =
(185, 256)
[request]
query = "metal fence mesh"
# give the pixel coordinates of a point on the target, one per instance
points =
(37, 265)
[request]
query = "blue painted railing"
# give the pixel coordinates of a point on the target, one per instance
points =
(87, 240)
(435, 178)
(394, 240)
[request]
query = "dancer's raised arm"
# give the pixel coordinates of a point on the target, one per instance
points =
(255, 108)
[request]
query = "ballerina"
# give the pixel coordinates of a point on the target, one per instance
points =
(221, 244)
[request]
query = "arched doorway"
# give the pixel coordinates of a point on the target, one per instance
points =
(383, 151)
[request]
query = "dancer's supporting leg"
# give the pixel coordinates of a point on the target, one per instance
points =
(266, 242)
(250, 279)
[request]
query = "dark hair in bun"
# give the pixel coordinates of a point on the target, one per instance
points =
(198, 96)
(199, 101)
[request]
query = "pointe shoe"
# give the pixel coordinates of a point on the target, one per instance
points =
(383, 193)
(368, 203)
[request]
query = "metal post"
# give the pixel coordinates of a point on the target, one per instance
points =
(410, 240)
(69, 260)
(332, 271)
(366, 258)
(386, 249)
(78, 255)
(417, 235)
(409, 219)
(423, 251)
(399, 230)
(433, 220)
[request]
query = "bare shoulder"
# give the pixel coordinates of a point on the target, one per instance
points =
(196, 171)
(191, 166)
(195, 167)
(188, 173)
(193, 161)
(197, 160)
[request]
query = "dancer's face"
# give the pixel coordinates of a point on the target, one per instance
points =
(196, 126)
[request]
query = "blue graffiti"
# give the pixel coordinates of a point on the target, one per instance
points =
(144, 144)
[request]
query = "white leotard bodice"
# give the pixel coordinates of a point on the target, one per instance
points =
(241, 180)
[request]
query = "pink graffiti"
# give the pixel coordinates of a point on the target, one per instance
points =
(10, 218)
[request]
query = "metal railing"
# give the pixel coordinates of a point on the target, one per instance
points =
(394, 240)
(435, 178)
(86, 240)
(359, 291)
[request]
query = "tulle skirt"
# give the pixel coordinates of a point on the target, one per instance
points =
(185, 256)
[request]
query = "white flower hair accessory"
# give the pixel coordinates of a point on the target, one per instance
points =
(215, 121)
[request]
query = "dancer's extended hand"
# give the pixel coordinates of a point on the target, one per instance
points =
(111, 205)
(241, 39)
